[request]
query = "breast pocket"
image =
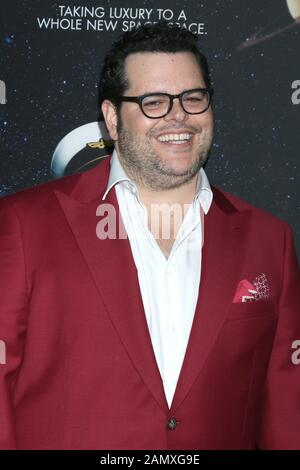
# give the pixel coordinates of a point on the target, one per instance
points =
(250, 310)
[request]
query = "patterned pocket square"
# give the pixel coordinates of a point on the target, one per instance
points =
(251, 291)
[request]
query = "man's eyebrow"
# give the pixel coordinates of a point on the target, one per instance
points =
(150, 92)
(166, 92)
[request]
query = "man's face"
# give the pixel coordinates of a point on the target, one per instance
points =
(148, 155)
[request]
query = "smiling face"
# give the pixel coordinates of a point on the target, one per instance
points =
(166, 152)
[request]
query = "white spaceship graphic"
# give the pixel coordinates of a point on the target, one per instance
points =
(257, 38)
(92, 135)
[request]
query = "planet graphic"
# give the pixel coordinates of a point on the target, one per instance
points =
(259, 37)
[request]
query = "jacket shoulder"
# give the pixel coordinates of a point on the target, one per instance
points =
(41, 191)
(261, 216)
(40, 194)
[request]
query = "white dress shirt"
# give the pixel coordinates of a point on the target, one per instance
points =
(169, 287)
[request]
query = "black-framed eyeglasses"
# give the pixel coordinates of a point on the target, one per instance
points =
(158, 105)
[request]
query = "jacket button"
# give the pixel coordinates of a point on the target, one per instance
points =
(172, 424)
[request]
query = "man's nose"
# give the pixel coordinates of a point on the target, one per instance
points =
(177, 112)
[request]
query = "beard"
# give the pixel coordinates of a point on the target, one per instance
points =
(147, 169)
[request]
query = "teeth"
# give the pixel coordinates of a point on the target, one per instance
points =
(174, 137)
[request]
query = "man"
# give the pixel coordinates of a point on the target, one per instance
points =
(180, 334)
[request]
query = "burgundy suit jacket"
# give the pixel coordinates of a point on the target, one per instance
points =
(79, 370)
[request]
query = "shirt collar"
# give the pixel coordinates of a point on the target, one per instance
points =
(117, 175)
(204, 194)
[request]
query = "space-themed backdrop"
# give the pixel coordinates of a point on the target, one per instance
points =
(51, 56)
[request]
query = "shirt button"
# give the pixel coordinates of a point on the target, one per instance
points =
(172, 424)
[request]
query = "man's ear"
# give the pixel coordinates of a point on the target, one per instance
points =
(111, 119)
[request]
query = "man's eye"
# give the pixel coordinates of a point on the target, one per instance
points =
(153, 103)
(193, 99)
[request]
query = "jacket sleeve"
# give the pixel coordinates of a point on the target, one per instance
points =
(280, 425)
(13, 307)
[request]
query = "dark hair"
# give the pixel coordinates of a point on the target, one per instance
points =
(158, 37)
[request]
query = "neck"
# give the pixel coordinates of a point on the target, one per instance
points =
(180, 195)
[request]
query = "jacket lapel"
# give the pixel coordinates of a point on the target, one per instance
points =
(225, 235)
(113, 271)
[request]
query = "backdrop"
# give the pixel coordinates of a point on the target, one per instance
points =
(51, 56)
